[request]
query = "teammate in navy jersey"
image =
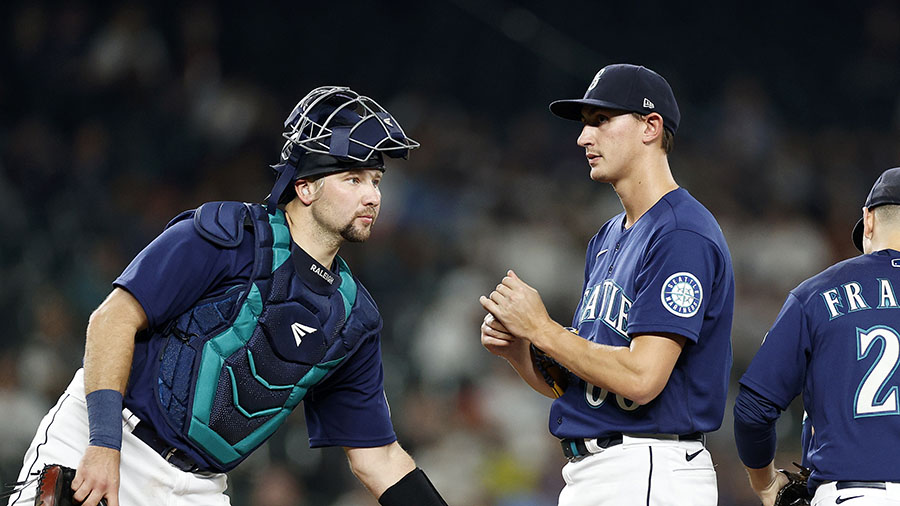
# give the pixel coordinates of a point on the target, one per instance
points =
(229, 319)
(647, 359)
(836, 341)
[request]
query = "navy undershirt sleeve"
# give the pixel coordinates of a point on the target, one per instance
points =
(754, 428)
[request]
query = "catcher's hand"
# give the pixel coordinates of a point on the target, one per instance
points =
(55, 487)
(795, 493)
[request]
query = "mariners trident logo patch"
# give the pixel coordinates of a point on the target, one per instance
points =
(682, 294)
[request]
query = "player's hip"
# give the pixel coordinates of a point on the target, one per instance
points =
(857, 493)
(642, 470)
(146, 478)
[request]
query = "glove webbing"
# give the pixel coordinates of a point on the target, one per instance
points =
(553, 372)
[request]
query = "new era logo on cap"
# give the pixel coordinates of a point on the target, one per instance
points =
(648, 104)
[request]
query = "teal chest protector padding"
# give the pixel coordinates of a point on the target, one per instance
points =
(234, 367)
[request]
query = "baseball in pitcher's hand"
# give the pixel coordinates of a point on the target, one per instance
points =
(497, 340)
(518, 307)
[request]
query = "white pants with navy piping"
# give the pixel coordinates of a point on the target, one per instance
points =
(145, 478)
(642, 471)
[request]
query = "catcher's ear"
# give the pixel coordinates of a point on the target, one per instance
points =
(306, 191)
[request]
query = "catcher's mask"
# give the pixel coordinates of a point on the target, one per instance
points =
(334, 129)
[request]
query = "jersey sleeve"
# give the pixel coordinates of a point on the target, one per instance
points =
(778, 370)
(350, 408)
(174, 271)
(673, 285)
(754, 428)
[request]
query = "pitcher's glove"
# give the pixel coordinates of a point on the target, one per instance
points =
(55, 487)
(553, 372)
(795, 493)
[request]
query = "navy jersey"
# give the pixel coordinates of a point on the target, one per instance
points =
(670, 272)
(347, 408)
(837, 341)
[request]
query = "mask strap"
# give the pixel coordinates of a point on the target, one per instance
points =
(286, 173)
(339, 145)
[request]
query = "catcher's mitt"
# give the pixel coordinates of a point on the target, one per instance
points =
(795, 493)
(54, 487)
(553, 372)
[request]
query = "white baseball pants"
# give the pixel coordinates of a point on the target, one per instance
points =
(145, 478)
(642, 471)
(828, 494)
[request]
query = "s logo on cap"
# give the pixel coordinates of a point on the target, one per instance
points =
(596, 79)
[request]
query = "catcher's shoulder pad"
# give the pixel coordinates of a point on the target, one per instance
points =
(221, 223)
(363, 316)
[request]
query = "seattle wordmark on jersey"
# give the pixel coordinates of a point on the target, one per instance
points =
(613, 308)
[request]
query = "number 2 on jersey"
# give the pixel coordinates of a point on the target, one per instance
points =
(867, 402)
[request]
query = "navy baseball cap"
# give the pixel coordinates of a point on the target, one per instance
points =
(625, 87)
(885, 191)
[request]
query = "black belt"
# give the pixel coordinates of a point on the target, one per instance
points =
(841, 485)
(574, 448)
(178, 458)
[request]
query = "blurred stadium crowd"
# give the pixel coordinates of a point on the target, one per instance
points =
(115, 117)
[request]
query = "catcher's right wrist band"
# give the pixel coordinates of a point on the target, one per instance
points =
(413, 489)
(104, 409)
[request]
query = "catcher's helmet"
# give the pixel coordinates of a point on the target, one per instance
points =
(334, 129)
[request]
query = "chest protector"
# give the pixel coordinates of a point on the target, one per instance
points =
(235, 366)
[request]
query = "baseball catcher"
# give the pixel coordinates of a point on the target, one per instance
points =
(234, 315)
